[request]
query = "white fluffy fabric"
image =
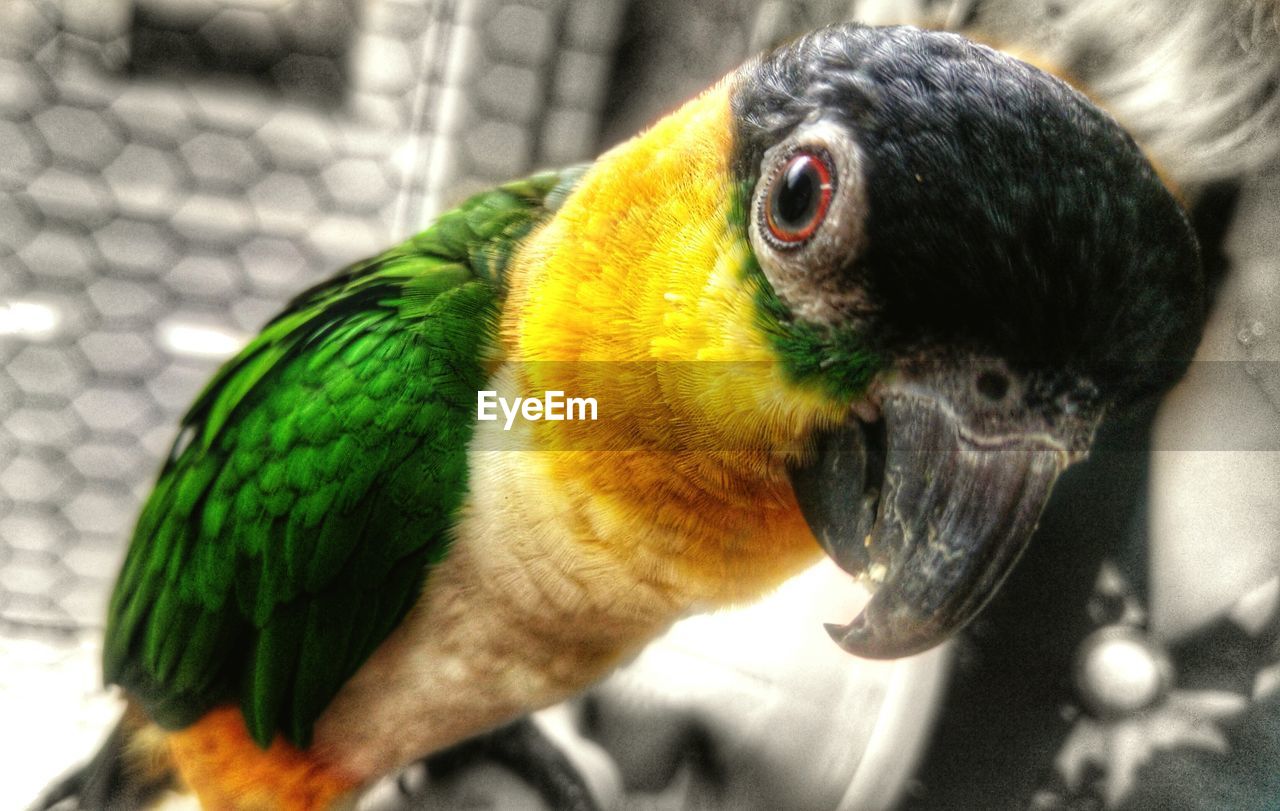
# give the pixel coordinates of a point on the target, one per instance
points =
(1196, 81)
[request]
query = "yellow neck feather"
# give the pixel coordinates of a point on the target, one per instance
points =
(634, 293)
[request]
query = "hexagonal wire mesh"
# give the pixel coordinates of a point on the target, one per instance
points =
(170, 173)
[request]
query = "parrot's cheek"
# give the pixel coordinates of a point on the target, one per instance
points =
(932, 512)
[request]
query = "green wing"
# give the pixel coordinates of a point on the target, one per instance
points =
(315, 480)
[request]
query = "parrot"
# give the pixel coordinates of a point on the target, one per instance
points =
(869, 295)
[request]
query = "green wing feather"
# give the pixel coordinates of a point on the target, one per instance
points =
(315, 480)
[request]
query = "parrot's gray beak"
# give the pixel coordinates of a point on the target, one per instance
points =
(935, 502)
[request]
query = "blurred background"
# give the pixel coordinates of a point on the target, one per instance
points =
(171, 171)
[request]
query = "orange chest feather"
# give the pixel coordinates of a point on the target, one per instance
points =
(225, 768)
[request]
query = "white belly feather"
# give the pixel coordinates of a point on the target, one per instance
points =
(518, 616)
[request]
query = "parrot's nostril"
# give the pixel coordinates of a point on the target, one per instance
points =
(993, 385)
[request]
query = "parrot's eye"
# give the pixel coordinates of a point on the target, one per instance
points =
(808, 213)
(799, 198)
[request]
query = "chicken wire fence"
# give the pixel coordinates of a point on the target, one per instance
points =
(171, 172)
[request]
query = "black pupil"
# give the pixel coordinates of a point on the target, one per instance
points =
(993, 385)
(797, 194)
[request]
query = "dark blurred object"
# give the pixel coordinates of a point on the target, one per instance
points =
(299, 47)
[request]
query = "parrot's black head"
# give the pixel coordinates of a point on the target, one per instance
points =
(983, 262)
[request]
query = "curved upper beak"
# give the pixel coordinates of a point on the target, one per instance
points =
(934, 505)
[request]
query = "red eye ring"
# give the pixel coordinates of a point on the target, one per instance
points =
(798, 198)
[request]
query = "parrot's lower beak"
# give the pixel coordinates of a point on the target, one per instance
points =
(933, 504)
